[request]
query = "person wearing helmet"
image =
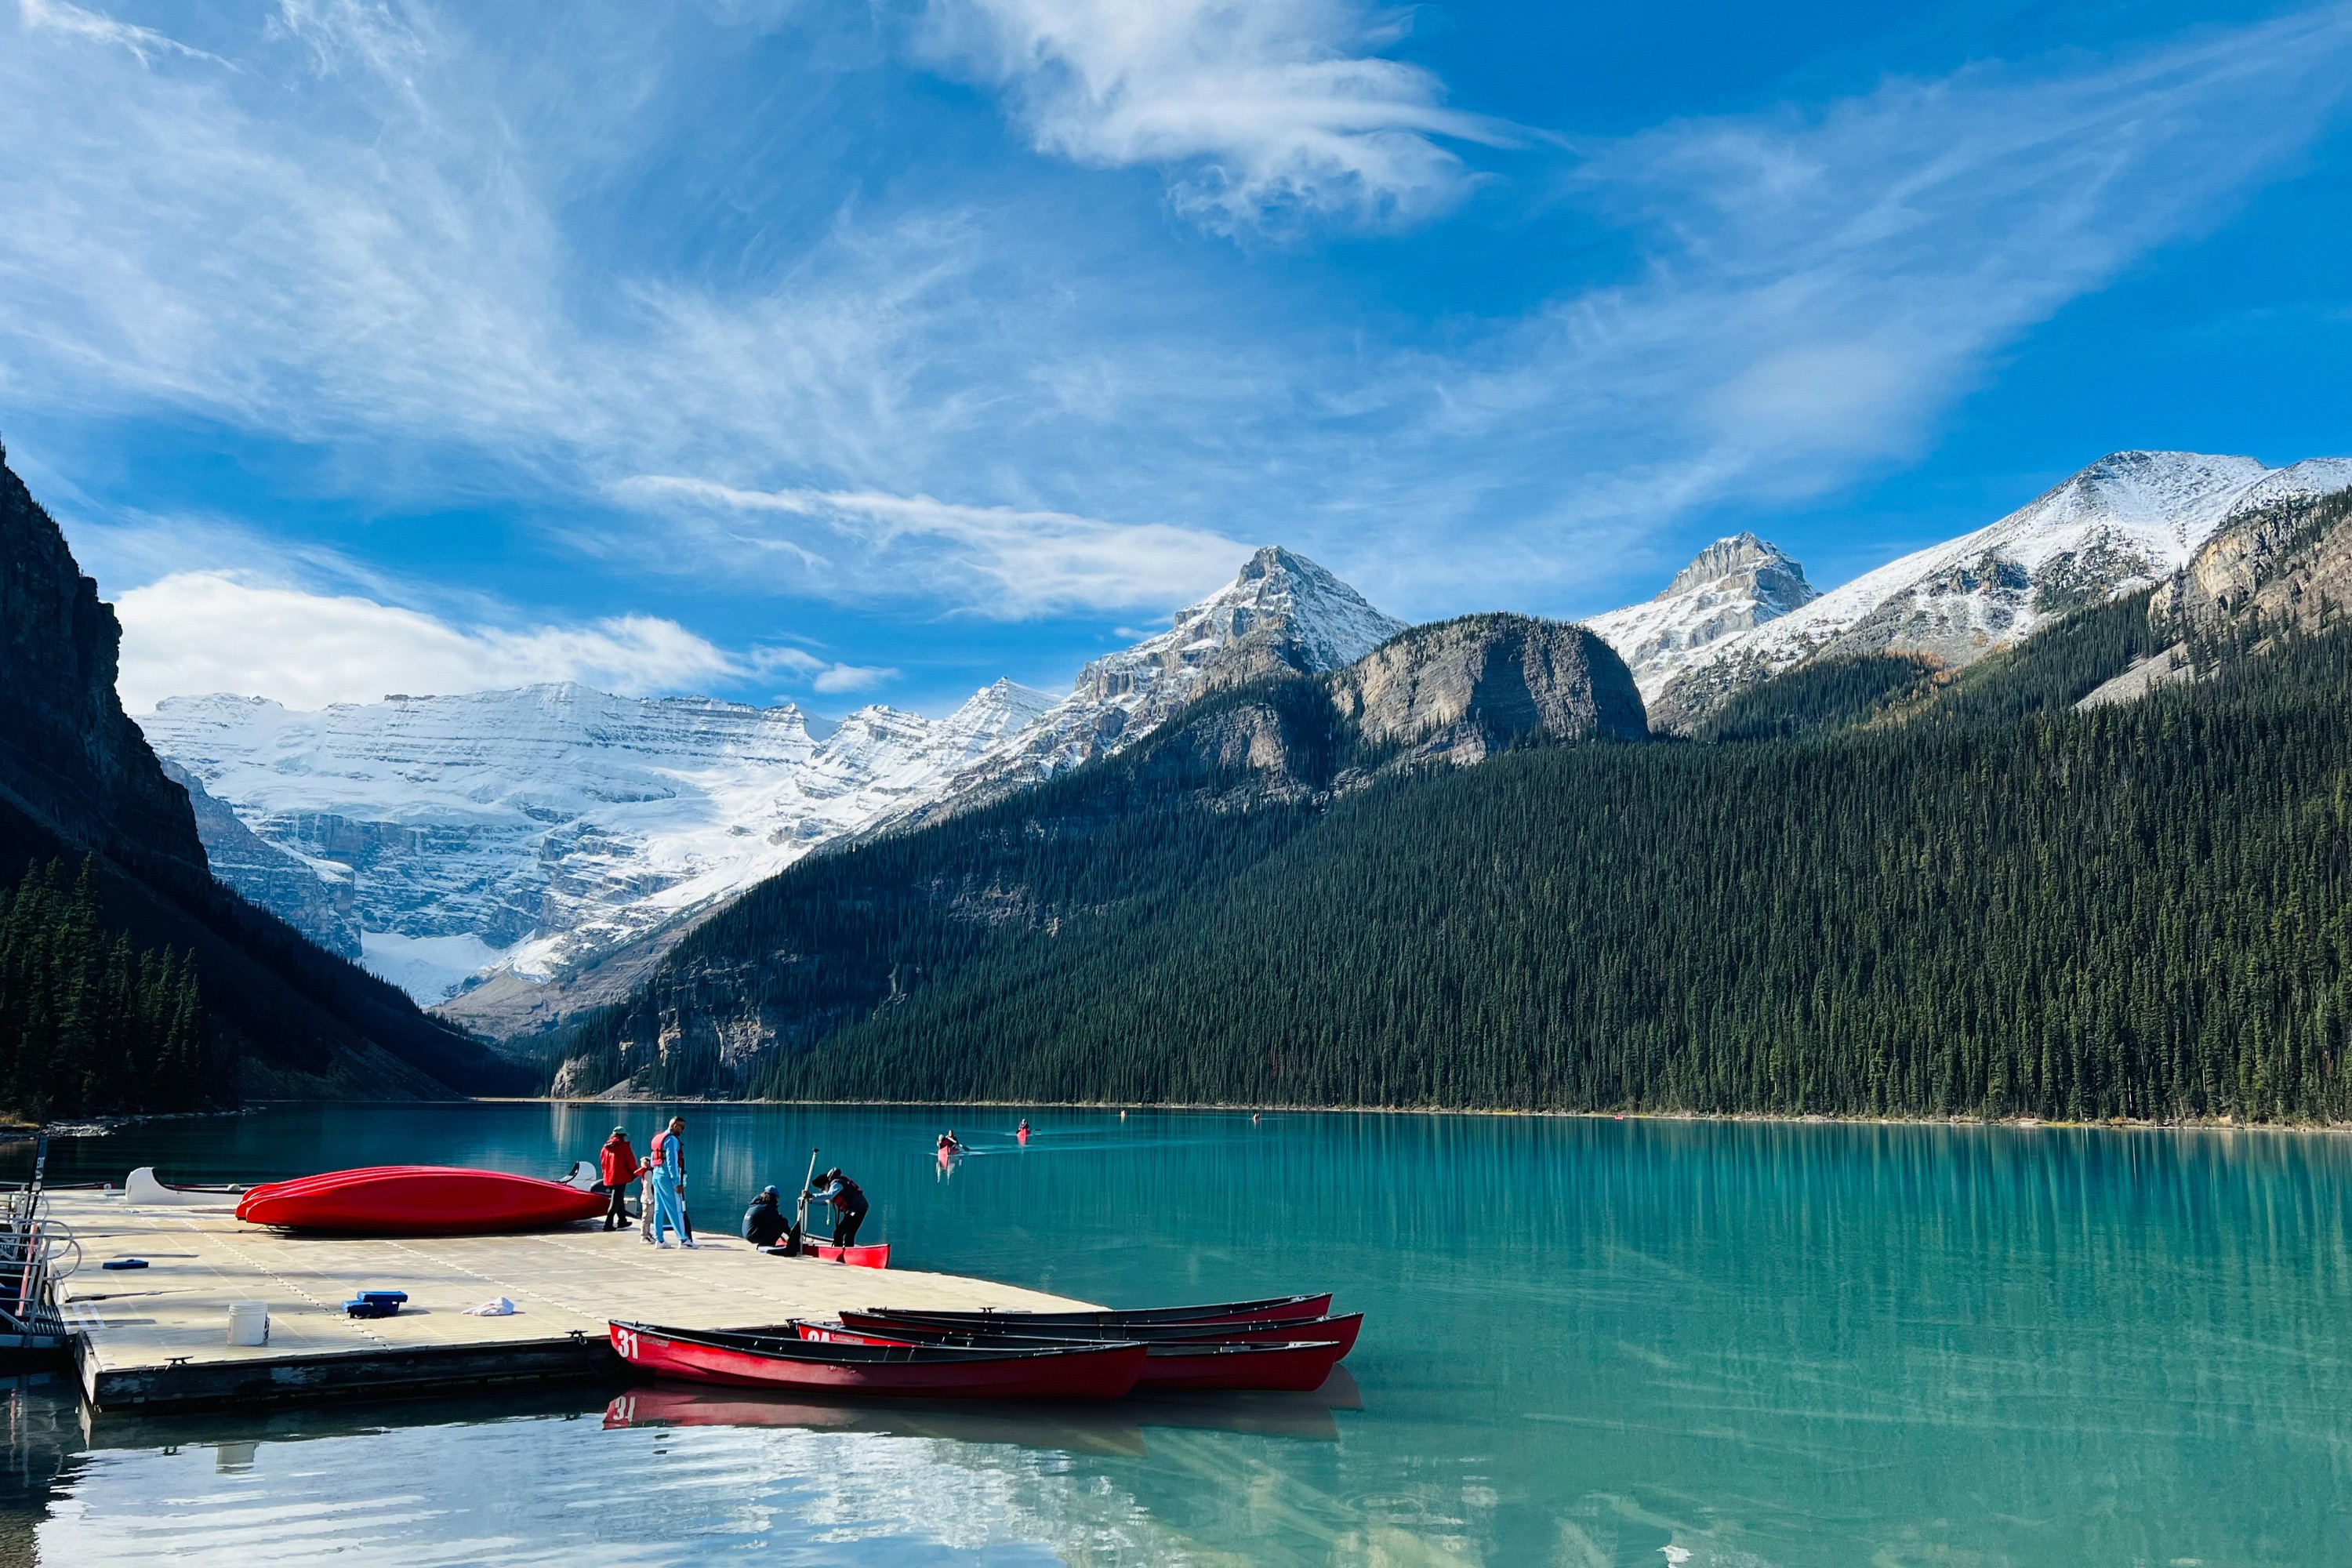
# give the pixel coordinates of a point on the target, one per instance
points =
(849, 1201)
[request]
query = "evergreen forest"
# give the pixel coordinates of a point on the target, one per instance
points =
(88, 1025)
(1878, 889)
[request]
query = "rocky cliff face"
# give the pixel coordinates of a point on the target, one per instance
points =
(1453, 693)
(1282, 616)
(317, 898)
(1731, 586)
(69, 757)
(1460, 691)
(2290, 565)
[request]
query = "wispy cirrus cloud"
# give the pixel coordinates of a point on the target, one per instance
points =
(1000, 561)
(399, 238)
(144, 44)
(1263, 112)
(1818, 287)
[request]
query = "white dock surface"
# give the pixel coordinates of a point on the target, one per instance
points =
(133, 1325)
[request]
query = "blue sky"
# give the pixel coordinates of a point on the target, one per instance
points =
(843, 353)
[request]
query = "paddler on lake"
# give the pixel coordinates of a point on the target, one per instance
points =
(849, 1201)
(622, 1168)
(950, 1144)
(666, 1185)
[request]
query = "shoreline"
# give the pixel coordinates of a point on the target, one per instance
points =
(2029, 1123)
(102, 1126)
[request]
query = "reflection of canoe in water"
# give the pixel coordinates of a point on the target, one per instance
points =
(1072, 1429)
(1271, 1309)
(781, 1359)
(417, 1200)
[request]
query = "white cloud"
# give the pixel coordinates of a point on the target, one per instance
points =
(1818, 287)
(1262, 111)
(1002, 561)
(854, 678)
(394, 240)
(209, 631)
(72, 21)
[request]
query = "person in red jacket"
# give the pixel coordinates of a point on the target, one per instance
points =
(622, 1166)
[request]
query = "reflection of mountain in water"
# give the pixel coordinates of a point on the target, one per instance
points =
(699, 1472)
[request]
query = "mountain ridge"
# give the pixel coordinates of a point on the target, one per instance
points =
(500, 894)
(2128, 521)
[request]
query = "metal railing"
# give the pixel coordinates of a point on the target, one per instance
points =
(36, 1250)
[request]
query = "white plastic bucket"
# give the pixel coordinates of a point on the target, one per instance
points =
(248, 1323)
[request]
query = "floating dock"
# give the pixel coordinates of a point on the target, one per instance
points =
(156, 1338)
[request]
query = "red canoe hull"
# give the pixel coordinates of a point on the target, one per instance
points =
(417, 1200)
(912, 1371)
(1273, 1309)
(1341, 1330)
(1277, 1366)
(874, 1257)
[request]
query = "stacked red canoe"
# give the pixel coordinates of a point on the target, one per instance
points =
(1287, 1344)
(417, 1200)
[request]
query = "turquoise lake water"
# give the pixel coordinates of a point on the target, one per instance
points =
(1588, 1342)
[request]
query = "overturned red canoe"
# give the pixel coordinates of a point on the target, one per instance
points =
(417, 1200)
(780, 1359)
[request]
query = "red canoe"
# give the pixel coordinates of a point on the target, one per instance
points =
(417, 1200)
(1271, 1366)
(1272, 1308)
(940, 1327)
(874, 1257)
(778, 1358)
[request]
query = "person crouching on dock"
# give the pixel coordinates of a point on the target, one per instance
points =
(849, 1201)
(668, 1184)
(764, 1224)
(622, 1168)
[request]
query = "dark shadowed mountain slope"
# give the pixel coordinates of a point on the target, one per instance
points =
(78, 784)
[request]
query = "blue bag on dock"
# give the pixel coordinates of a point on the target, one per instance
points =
(375, 1303)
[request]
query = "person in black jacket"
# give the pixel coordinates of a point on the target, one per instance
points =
(763, 1222)
(849, 1201)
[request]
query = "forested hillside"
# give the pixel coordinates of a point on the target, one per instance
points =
(1916, 895)
(86, 1023)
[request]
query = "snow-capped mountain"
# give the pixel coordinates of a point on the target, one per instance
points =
(2127, 521)
(525, 835)
(1732, 585)
(529, 828)
(1282, 614)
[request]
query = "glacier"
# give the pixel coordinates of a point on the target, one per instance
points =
(487, 843)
